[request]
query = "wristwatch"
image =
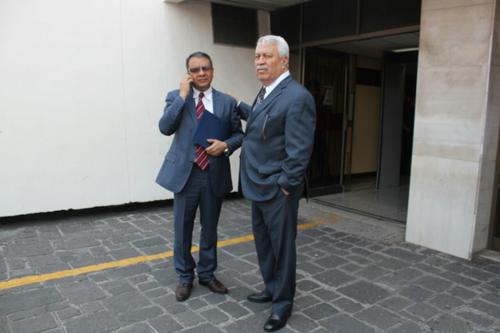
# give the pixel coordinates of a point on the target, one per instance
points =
(226, 152)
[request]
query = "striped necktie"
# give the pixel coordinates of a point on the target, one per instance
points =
(260, 97)
(201, 157)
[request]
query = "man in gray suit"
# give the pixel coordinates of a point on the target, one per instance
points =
(275, 153)
(197, 176)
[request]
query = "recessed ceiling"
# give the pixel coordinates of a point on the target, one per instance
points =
(376, 47)
(255, 4)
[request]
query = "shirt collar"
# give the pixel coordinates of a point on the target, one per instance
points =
(207, 93)
(275, 83)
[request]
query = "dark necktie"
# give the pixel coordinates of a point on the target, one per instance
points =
(260, 97)
(201, 158)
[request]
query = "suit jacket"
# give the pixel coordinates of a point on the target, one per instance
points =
(179, 117)
(278, 141)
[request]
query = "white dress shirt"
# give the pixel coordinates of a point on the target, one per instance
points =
(275, 83)
(207, 99)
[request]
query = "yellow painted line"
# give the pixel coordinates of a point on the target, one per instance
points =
(32, 279)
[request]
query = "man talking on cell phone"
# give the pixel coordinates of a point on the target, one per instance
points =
(196, 175)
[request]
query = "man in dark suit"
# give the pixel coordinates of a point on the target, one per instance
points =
(197, 176)
(275, 153)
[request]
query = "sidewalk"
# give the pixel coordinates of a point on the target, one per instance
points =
(355, 274)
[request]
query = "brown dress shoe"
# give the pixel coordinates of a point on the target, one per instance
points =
(215, 286)
(183, 291)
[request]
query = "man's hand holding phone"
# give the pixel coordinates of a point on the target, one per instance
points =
(185, 85)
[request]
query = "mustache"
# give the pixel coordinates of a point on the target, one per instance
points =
(261, 67)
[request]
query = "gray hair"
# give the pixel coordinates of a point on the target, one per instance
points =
(280, 42)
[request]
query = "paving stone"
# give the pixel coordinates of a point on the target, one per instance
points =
(136, 328)
(126, 302)
(449, 324)
(404, 255)
(127, 271)
(234, 309)
(95, 322)
(79, 242)
(446, 302)
(82, 292)
(155, 293)
(492, 298)
(34, 325)
(334, 278)
(434, 283)
(372, 272)
(305, 301)
(461, 280)
(379, 317)
(416, 293)
(176, 308)
(393, 264)
(213, 298)
(28, 249)
(364, 292)
(347, 305)
(117, 287)
(423, 310)
(351, 267)
(331, 261)
(476, 318)
(165, 324)
(91, 307)
(67, 313)
(189, 318)
(326, 295)
(309, 268)
(358, 259)
(307, 285)
(345, 324)
(320, 311)
(19, 301)
(408, 327)
(301, 323)
(487, 308)
(239, 265)
(153, 241)
(148, 286)
(196, 303)
(215, 316)
(138, 315)
(396, 303)
(204, 328)
(462, 293)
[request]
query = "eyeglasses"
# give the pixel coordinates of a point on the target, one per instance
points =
(196, 70)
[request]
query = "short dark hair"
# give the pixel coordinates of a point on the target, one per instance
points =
(198, 54)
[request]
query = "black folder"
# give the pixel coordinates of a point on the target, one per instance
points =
(210, 127)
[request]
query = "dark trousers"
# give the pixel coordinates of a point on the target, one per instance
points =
(274, 225)
(197, 192)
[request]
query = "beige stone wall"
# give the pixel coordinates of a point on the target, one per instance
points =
(456, 127)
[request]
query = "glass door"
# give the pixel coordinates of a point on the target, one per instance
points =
(324, 76)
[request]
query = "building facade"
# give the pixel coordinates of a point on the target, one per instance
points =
(405, 93)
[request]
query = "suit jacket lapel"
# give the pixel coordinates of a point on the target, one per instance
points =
(191, 107)
(274, 94)
(216, 103)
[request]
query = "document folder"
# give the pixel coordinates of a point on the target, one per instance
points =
(210, 127)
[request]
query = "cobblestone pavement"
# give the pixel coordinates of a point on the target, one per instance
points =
(354, 275)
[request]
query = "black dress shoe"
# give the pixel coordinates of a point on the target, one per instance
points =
(275, 322)
(183, 291)
(261, 297)
(215, 286)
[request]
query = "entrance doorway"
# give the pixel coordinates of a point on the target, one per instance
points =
(365, 109)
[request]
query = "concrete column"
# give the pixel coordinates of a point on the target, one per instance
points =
(456, 126)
